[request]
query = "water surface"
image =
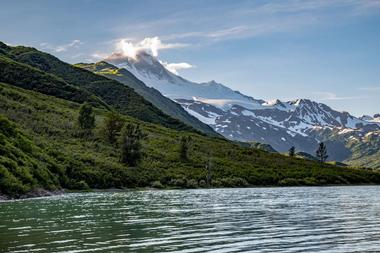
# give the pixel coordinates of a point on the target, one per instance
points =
(299, 219)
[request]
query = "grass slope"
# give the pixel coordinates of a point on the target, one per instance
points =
(64, 159)
(29, 63)
(23, 165)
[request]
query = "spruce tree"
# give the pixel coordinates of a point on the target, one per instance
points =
(184, 142)
(209, 171)
(292, 151)
(86, 118)
(130, 144)
(321, 152)
(112, 126)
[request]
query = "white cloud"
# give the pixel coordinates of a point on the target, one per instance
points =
(324, 95)
(99, 56)
(128, 48)
(175, 67)
(63, 47)
(251, 19)
(374, 88)
(150, 44)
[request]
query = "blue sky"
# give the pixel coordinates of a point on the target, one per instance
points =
(328, 51)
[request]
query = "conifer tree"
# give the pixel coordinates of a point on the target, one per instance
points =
(86, 118)
(321, 152)
(185, 143)
(292, 151)
(130, 144)
(112, 126)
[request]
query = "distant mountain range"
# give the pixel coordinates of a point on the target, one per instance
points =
(301, 123)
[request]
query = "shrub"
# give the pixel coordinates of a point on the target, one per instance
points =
(130, 145)
(86, 118)
(202, 183)
(157, 184)
(184, 146)
(192, 183)
(112, 126)
(289, 182)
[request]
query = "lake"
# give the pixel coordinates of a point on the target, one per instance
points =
(292, 219)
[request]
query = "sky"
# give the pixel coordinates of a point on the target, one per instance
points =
(324, 50)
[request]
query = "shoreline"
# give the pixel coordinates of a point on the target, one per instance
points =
(41, 193)
(36, 193)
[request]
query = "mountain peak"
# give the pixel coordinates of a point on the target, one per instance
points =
(139, 58)
(366, 117)
(273, 102)
(302, 101)
(212, 82)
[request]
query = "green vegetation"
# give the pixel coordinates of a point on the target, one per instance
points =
(292, 151)
(263, 146)
(321, 152)
(23, 165)
(112, 126)
(58, 156)
(31, 69)
(306, 156)
(46, 105)
(184, 145)
(86, 118)
(130, 144)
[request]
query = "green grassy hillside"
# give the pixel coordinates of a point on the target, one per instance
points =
(23, 165)
(57, 155)
(31, 69)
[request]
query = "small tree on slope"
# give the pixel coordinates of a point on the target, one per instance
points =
(321, 152)
(112, 126)
(130, 144)
(184, 143)
(292, 151)
(86, 118)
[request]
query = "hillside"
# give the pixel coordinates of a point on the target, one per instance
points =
(31, 69)
(57, 156)
(165, 104)
(23, 165)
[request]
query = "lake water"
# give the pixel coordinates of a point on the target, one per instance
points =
(299, 219)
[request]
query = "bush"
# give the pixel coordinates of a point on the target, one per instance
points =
(130, 144)
(86, 117)
(178, 182)
(112, 126)
(157, 184)
(310, 181)
(289, 182)
(233, 182)
(202, 183)
(80, 185)
(216, 183)
(192, 183)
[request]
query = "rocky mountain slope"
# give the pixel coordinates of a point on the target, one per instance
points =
(165, 104)
(301, 123)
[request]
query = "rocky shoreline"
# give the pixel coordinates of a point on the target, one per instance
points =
(33, 194)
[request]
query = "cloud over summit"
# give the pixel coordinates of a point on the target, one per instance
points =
(150, 45)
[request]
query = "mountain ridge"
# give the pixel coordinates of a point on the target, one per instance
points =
(165, 104)
(302, 123)
(65, 78)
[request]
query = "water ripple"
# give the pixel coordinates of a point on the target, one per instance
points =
(304, 219)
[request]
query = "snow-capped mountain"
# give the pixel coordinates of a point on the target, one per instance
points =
(301, 123)
(149, 70)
